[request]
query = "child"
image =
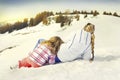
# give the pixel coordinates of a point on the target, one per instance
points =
(43, 54)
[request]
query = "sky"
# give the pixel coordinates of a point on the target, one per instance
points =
(18, 1)
(12, 10)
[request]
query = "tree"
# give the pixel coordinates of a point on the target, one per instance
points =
(95, 13)
(104, 13)
(77, 17)
(5, 28)
(25, 23)
(31, 22)
(115, 14)
(85, 16)
(45, 21)
(59, 19)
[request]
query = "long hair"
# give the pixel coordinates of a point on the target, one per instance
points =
(91, 28)
(54, 42)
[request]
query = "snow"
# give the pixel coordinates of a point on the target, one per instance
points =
(104, 67)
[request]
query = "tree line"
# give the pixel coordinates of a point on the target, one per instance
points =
(62, 18)
(112, 14)
(25, 23)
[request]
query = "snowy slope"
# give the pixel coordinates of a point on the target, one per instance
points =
(104, 67)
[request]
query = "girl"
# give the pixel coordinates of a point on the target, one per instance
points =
(80, 46)
(43, 54)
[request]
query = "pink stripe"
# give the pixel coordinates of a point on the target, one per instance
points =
(46, 50)
(42, 54)
(36, 59)
(43, 49)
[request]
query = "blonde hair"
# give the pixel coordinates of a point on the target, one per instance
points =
(54, 42)
(91, 28)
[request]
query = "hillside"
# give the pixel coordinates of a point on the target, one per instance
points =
(16, 45)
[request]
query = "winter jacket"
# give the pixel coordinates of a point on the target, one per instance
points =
(42, 55)
(78, 46)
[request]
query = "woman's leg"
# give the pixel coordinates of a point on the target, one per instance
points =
(81, 48)
(87, 54)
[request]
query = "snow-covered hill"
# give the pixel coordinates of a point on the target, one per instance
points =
(16, 45)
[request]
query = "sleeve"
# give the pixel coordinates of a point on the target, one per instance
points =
(51, 59)
(39, 41)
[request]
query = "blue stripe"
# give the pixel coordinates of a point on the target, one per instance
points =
(72, 41)
(80, 36)
(86, 47)
(86, 39)
(85, 50)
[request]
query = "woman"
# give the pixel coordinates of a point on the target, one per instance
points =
(80, 46)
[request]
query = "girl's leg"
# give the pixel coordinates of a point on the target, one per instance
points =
(24, 63)
(21, 63)
(27, 62)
